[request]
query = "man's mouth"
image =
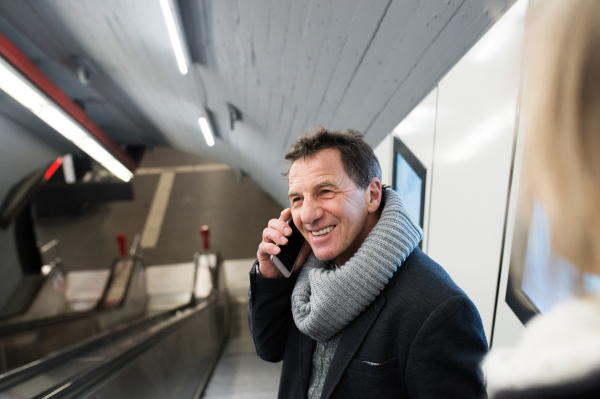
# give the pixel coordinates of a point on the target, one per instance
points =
(322, 232)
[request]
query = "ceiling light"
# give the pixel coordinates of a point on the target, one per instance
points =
(207, 130)
(32, 98)
(171, 15)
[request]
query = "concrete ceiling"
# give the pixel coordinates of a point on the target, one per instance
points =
(288, 65)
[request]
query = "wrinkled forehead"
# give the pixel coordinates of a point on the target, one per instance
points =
(326, 155)
(324, 166)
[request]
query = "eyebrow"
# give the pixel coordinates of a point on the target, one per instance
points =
(292, 195)
(326, 183)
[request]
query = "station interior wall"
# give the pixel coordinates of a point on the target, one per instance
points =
(464, 133)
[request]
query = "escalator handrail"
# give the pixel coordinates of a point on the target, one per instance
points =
(10, 329)
(23, 373)
(82, 381)
(85, 380)
(30, 370)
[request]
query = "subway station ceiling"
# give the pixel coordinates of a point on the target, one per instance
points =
(288, 65)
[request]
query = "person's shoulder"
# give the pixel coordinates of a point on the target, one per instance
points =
(557, 351)
(580, 388)
(421, 273)
(422, 281)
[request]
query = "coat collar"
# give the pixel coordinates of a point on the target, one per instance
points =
(307, 346)
(352, 338)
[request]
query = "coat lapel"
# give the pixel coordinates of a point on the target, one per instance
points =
(306, 348)
(352, 338)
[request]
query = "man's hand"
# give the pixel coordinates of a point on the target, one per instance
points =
(277, 233)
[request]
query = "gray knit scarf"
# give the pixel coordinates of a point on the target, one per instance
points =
(326, 299)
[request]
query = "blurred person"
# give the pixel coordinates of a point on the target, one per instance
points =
(368, 315)
(558, 355)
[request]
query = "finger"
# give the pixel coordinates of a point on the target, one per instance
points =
(281, 226)
(266, 249)
(274, 236)
(285, 214)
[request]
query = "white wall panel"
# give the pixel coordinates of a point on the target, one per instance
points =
(417, 132)
(476, 116)
(385, 154)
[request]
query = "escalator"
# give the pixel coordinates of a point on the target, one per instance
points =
(131, 330)
(69, 309)
(156, 333)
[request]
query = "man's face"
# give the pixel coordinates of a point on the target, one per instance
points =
(328, 208)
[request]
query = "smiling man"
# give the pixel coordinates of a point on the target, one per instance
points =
(365, 314)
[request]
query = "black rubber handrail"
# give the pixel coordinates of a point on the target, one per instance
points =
(10, 329)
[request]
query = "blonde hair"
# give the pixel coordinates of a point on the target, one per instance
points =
(561, 105)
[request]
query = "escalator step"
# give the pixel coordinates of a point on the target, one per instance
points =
(240, 373)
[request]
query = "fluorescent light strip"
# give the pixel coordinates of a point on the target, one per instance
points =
(206, 130)
(173, 34)
(19, 88)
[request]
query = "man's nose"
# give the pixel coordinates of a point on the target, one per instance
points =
(311, 211)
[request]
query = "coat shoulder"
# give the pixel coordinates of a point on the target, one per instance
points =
(423, 284)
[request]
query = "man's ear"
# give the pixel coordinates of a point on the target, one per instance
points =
(375, 192)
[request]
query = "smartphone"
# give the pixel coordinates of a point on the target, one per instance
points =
(285, 260)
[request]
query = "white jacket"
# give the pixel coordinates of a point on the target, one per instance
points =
(558, 351)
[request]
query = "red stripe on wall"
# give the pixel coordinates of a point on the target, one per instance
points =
(18, 60)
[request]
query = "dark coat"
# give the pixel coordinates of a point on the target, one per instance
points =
(421, 338)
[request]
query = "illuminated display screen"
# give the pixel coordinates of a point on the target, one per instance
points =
(410, 186)
(545, 278)
(409, 181)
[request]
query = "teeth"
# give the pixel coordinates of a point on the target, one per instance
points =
(324, 231)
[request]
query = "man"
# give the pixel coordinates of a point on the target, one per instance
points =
(368, 315)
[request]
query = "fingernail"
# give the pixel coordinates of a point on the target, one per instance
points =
(288, 230)
(277, 250)
(284, 240)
